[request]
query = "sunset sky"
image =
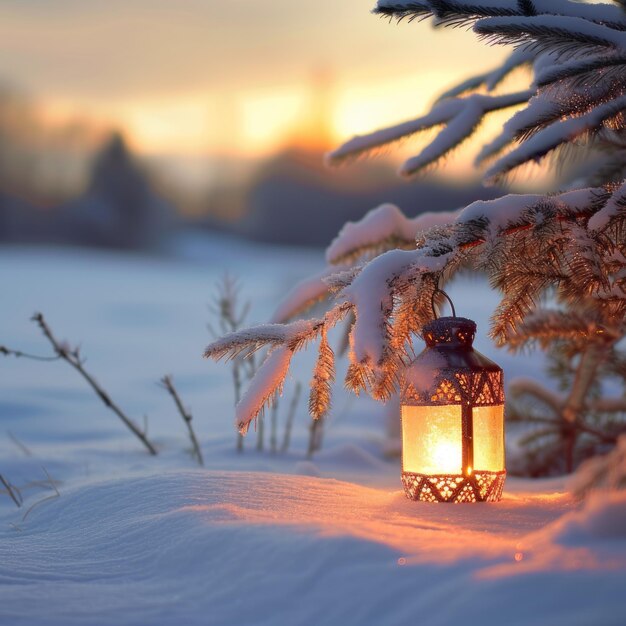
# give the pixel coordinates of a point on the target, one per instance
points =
(201, 77)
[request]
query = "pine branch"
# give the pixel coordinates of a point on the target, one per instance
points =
(323, 377)
(546, 327)
(459, 116)
(557, 134)
(585, 71)
(561, 36)
(267, 382)
(462, 12)
(491, 79)
(383, 228)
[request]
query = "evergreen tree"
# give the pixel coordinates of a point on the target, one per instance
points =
(384, 270)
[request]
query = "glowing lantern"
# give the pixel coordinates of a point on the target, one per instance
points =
(452, 409)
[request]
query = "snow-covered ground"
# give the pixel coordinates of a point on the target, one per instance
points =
(253, 538)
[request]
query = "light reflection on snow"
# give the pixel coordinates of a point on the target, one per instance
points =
(522, 533)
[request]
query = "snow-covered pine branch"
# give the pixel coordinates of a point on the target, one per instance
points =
(459, 116)
(266, 384)
(383, 228)
(493, 78)
(282, 340)
(570, 243)
(558, 35)
(462, 12)
(587, 71)
(303, 296)
(525, 243)
(612, 211)
(557, 134)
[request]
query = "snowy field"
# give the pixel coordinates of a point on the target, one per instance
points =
(252, 538)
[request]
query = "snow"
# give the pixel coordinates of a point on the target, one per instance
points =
(303, 295)
(384, 222)
(371, 296)
(578, 29)
(266, 382)
(613, 207)
(597, 12)
(460, 115)
(252, 538)
(507, 210)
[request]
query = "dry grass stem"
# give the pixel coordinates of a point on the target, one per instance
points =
(290, 417)
(12, 491)
(19, 444)
(74, 359)
(167, 383)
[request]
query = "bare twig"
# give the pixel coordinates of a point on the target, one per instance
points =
(226, 308)
(12, 490)
(19, 354)
(260, 433)
(167, 383)
(74, 359)
(290, 416)
(315, 436)
(19, 444)
(274, 427)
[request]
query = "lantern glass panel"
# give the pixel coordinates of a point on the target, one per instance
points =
(432, 441)
(489, 438)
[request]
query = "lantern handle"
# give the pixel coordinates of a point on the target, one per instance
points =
(446, 296)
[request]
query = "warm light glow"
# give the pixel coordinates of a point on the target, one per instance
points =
(445, 456)
(489, 438)
(432, 439)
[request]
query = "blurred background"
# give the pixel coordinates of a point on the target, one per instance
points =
(124, 123)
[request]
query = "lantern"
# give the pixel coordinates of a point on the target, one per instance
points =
(452, 411)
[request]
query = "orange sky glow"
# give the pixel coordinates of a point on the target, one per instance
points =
(199, 78)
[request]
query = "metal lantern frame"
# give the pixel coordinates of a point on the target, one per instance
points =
(464, 377)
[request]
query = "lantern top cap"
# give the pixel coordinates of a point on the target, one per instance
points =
(450, 331)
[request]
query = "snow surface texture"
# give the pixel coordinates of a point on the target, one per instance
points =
(254, 538)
